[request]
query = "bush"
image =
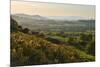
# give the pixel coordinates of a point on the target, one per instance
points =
(25, 30)
(90, 48)
(14, 25)
(31, 50)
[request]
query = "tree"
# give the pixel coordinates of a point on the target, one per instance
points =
(90, 48)
(86, 37)
(70, 41)
(14, 25)
(20, 28)
(83, 37)
(90, 36)
(25, 30)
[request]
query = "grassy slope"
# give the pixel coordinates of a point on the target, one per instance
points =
(27, 49)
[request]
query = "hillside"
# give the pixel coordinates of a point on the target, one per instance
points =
(28, 49)
(39, 23)
(32, 49)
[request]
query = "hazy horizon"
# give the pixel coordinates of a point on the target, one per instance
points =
(52, 9)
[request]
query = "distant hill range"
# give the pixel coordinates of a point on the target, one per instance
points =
(69, 18)
(55, 23)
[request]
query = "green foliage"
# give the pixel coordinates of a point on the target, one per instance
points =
(14, 25)
(20, 28)
(90, 48)
(32, 48)
(56, 39)
(86, 36)
(71, 41)
(27, 49)
(25, 30)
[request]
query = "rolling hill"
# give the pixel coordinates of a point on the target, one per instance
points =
(29, 49)
(39, 23)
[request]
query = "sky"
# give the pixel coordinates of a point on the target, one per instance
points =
(52, 9)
